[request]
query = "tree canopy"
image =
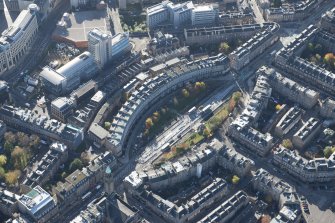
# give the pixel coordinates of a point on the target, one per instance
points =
(76, 164)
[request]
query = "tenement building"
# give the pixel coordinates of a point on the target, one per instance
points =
(80, 181)
(234, 161)
(328, 21)
(288, 12)
(48, 165)
(17, 39)
(241, 129)
(271, 185)
(228, 209)
(193, 207)
(110, 208)
(311, 171)
(204, 35)
(162, 43)
(327, 108)
(172, 173)
(27, 120)
(290, 89)
(254, 47)
(290, 120)
(306, 133)
(236, 18)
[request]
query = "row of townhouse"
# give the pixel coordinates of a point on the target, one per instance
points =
(155, 88)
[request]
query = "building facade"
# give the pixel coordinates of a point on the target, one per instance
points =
(18, 38)
(69, 76)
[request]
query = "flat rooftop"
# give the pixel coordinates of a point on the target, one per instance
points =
(80, 23)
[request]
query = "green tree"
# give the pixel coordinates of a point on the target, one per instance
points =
(19, 157)
(107, 125)
(10, 138)
(148, 123)
(206, 132)
(199, 86)
(76, 164)
(11, 177)
(235, 179)
(23, 139)
(8, 148)
(185, 93)
(310, 47)
(85, 158)
(3, 160)
(287, 143)
(278, 107)
(34, 141)
(328, 151)
(224, 47)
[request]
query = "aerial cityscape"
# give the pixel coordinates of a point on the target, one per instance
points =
(173, 111)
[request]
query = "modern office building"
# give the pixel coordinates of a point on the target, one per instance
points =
(69, 76)
(99, 45)
(62, 108)
(18, 38)
(203, 15)
(157, 14)
(38, 204)
(180, 15)
(104, 47)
